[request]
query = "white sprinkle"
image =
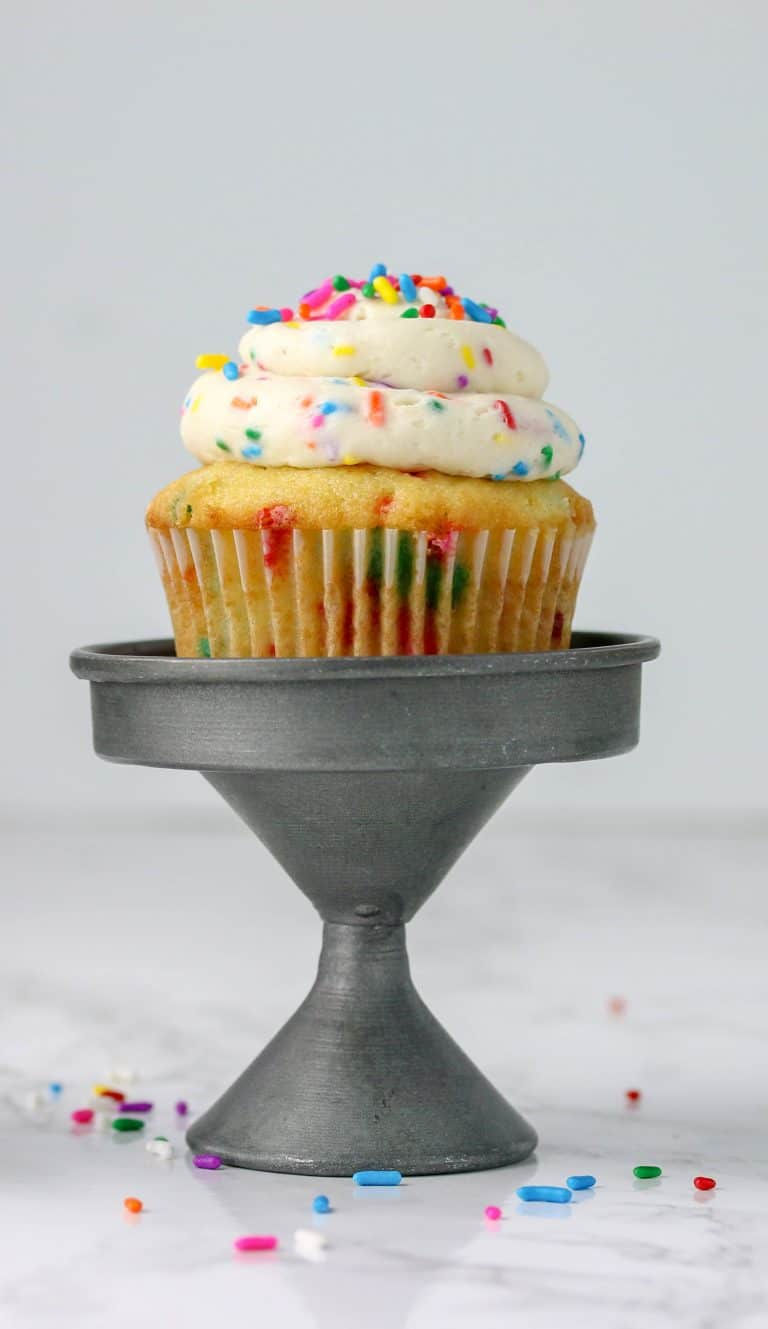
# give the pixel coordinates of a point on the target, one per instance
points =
(161, 1148)
(309, 1243)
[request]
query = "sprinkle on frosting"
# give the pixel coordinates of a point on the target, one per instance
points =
(211, 361)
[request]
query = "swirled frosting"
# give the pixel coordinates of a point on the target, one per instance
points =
(397, 372)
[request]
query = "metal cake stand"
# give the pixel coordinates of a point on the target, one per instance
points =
(366, 779)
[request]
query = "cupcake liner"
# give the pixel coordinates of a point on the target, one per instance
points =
(382, 591)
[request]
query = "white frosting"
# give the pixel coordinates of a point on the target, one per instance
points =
(457, 395)
(277, 421)
(380, 345)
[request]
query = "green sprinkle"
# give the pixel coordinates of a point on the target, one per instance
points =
(643, 1172)
(500, 321)
(460, 583)
(410, 313)
(204, 648)
(556, 476)
(369, 289)
(162, 1137)
(127, 1124)
(340, 283)
(546, 453)
(433, 579)
(376, 558)
(435, 404)
(224, 446)
(189, 509)
(404, 564)
(255, 434)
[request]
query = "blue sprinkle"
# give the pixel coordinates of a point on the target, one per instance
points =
(328, 407)
(558, 428)
(251, 450)
(584, 1183)
(407, 288)
(55, 1087)
(552, 1194)
(187, 400)
(520, 468)
(476, 312)
(582, 442)
(501, 476)
(230, 370)
(383, 1177)
(321, 1204)
(263, 316)
(378, 270)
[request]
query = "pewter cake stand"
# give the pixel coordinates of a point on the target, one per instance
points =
(366, 779)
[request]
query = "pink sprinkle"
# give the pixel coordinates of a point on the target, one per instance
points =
(255, 1243)
(317, 421)
(442, 546)
(487, 356)
(493, 1212)
(358, 285)
(286, 315)
(319, 297)
(337, 307)
(83, 1116)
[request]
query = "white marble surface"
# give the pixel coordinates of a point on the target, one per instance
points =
(177, 949)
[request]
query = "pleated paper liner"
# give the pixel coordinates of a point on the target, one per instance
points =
(370, 592)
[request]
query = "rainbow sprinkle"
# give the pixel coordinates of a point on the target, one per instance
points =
(230, 370)
(261, 317)
(386, 290)
(336, 307)
(211, 361)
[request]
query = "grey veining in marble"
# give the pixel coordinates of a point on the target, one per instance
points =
(111, 958)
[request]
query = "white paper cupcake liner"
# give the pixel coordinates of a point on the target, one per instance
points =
(289, 592)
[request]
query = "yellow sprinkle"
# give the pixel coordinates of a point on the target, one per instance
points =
(361, 383)
(468, 357)
(386, 290)
(292, 323)
(348, 459)
(498, 438)
(211, 361)
(343, 350)
(195, 404)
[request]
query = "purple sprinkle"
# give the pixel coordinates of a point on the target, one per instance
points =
(209, 1161)
(462, 380)
(136, 1107)
(447, 290)
(182, 1107)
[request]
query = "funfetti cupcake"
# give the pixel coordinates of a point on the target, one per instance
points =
(380, 477)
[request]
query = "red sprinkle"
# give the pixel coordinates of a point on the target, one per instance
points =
(633, 1095)
(279, 517)
(383, 504)
(427, 311)
(506, 414)
(376, 408)
(113, 1094)
(704, 1183)
(487, 356)
(617, 1005)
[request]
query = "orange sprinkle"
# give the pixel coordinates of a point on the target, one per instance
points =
(434, 283)
(242, 404)
(304, 310)
(376, 408)
(306, 402)
(456, 309)
(133, 1205)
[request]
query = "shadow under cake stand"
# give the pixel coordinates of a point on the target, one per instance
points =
(366, 778)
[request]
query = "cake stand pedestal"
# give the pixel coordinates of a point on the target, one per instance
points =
(366, 779)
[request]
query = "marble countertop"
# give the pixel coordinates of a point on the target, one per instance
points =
(173, 946)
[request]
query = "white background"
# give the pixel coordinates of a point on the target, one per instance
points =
(595, 169)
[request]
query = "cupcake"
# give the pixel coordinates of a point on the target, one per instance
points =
(380, 476)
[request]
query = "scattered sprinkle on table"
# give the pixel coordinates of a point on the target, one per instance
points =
(321, 1204)
(633, 1095)
(160, 1147)
(55, 1088)
(309, 1242)
(380, 1177)
(617, 1005)
(133, 1205)
(580, 1183)
(550, 1194)
(182, 1107)
(125, 1124)
(255, 1243)
(493, 1212)
(139, 1106)
(704, 1183)
(210, 1162)
(82, 1116)
(646, 1170)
